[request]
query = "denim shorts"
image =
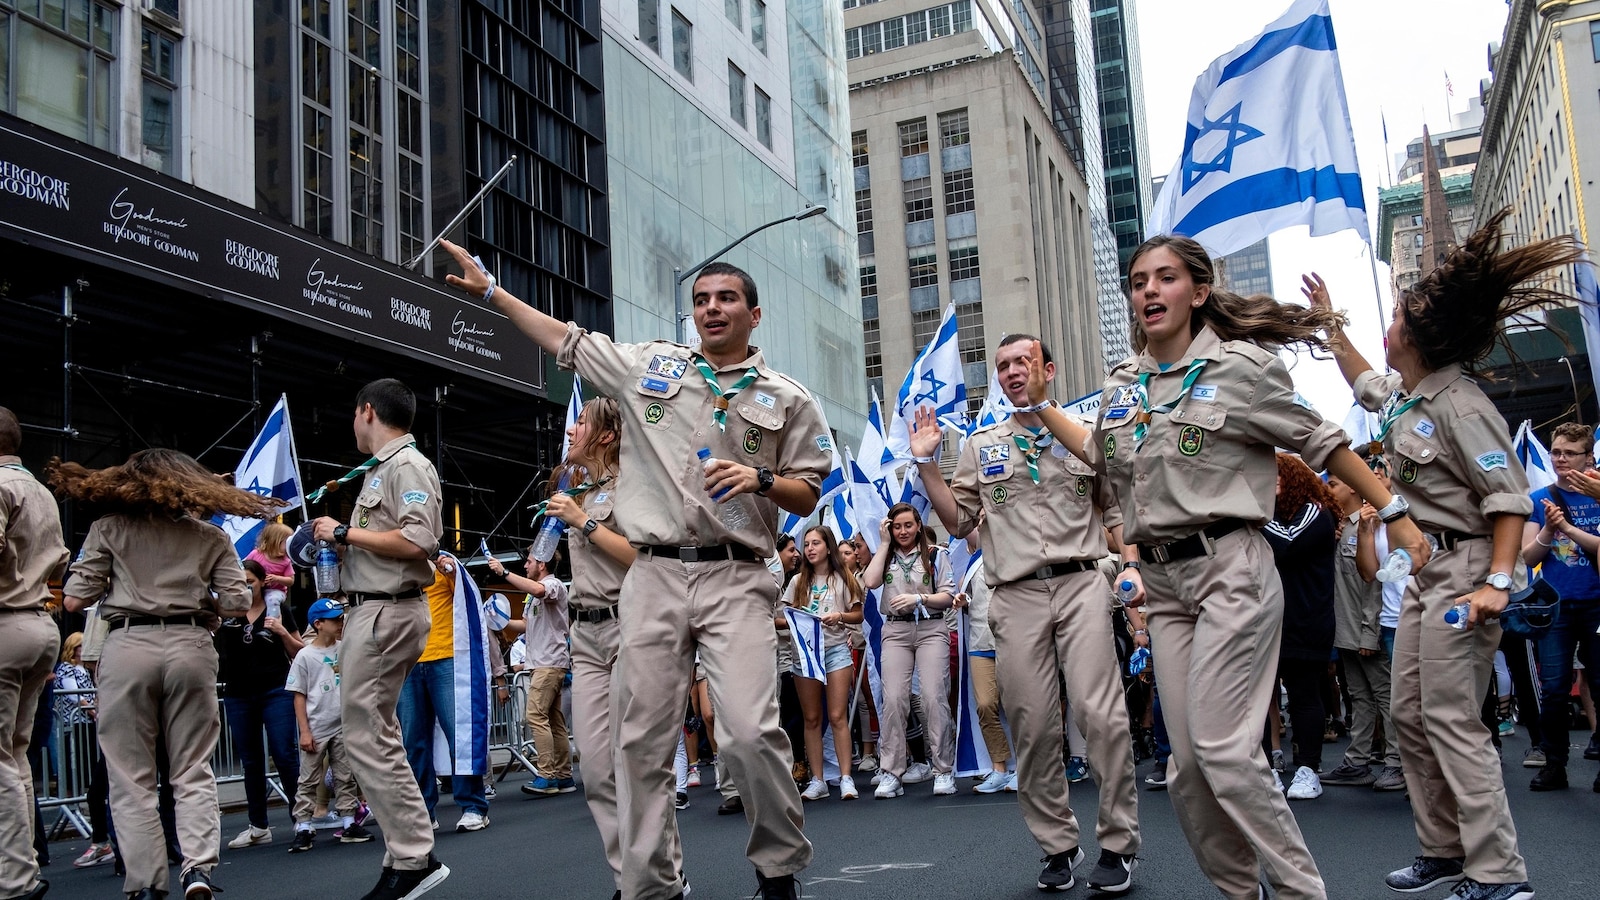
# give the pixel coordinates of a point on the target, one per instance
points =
(833, 659)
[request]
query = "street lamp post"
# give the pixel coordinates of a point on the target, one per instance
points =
(1577, 404)
(680, 274)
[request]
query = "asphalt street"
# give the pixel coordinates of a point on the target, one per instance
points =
(917, 846)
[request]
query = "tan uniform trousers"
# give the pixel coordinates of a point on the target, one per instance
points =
(1215, 626)
(986, 692)
(29, 643)
(156, 681)
(547, 726)
(382, 641)
(924, 644)
(594, 656)
(1368, 678)
(725, 608)
(1045, 631)
(1458, 799)
(314, 766)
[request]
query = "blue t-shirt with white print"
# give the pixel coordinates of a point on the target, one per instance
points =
(1566, 567)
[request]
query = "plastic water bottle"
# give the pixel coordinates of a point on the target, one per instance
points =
(1139, 661)
(1125, 592)
(549, 537)
(732, 514)
(1456, 616)
(274, 598)
(1398, 565)
(327, 569)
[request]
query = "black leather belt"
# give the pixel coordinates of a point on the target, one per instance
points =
(594, 615)
(702, 554)
(1192, 546)
(1449, 540)
(895, 617)
(129, 621)
(356, 598)
(1056, 570)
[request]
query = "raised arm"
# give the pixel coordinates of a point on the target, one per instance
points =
(546, 331)
(925, 439)
(1351, 363)
(872, 578)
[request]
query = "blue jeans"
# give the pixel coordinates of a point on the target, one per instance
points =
(273, 712)
(1574, 630)
(1158, 730)
(1388, 640)
(428, 696)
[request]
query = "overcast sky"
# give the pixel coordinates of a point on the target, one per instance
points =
(1394, 54)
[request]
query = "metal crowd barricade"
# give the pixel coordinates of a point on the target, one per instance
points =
(508, 728)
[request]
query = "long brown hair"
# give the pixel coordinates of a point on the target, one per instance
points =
(925, 548)
(1297, 486)
(1258, 318)
(1457, 313)
(600, 415)
(804, 578)
(157, 482)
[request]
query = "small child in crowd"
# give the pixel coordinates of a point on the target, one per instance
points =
(314, 680)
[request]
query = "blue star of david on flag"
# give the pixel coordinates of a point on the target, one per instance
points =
(936, 379)
(931, 395)
(1237, 133)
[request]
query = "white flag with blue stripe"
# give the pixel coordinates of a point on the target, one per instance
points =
(875, 458)
(1589, 311)
(972, 754)
(574, 409)
(1534, 457)
(806, 630)
(936, 379)
(269, 468)
(1361, 427)
(864, 509)
(1268, 144)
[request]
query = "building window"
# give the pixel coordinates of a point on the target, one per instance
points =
(924, 325)
(650, 24)
(871, 38)
(919, 199)
(871, 336)
(682, 45)
(858, 149)
(736, 92)
(1417, 221)
(958, 195)
(924, 271)
(939, 22)
(1594, 39)
(158, 113)
(735, 11)
(1417, 241)
(366, 128)
(864, 212)
(954, 130)
(914, 137)
(894, 33)
(969, 333)
(964, 261)
(170, 7)
(763, 118)
(758, 25)
(62, 58)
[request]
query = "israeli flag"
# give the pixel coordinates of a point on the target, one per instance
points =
(1268, 143)
(875, 458)
(864, 510)
(269, 469)
(806, 630)
(1589, 310)
(1534, 457)
(935, 380)
(574, 409)
(1361, 425)
(995, 407)
(791, 524)
(913, 494)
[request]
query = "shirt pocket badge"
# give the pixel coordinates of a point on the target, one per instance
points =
(653, 391)
(1415, 452)
(1197, 422)
(366, 503)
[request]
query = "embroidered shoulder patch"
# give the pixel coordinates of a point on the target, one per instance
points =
(825, 443)
(994, 453)
(1495, 459)
(414, 497)
(667, 366)
(376, 480)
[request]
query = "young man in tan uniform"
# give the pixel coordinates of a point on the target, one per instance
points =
(31, 555)
(697, 582)
(545, 623)
(1042, 509)
(386, 547)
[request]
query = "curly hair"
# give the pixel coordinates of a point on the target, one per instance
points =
(157, 482)
(1258, 319)
(1457, 313)
(1298, 486)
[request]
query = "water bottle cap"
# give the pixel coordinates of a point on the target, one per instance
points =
(704, 453)
(1452, 616)
(1127, 585)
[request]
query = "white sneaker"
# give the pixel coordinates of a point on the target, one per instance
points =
(1011, 783)
(917, 773)
(944, 784)
(889, 787)
(251, 837)
(694, 776)
(868, 763)
(1306, 785)
(1277, 781)
(847, 788)
(471, 821)
(994, 783)
(816, 790)
(876, 778)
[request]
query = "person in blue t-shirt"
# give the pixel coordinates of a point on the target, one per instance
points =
(1563, 535)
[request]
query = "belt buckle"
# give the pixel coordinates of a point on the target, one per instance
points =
(1044, 572)
(689, 554)
(1161, 553)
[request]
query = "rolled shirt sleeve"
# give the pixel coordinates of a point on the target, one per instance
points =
(1278, 416)
(417, 506)
(1373, 388)
(597, 359)
(1490, 468)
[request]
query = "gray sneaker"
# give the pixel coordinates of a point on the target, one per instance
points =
(1533, 758)
(1477, 890)
(1426, 872)
(1347, 774)
(1390, 779)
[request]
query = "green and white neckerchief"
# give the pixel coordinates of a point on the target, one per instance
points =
(18, 466)
(1393, 409)
(539, 509)
(347, 477)
(906, 568)
(719, 405)
(1141, 424)
(1031, 446)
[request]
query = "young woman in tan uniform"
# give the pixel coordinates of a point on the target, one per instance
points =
(1454, 459)
(1187, 435)
(169, 572)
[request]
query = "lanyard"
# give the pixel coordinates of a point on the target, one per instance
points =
(1141, 425)
(349, 476)
(1031, 447)
(538, 509)
(719, 406)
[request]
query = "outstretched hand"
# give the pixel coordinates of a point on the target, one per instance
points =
(1315, 291)
(926, 434)
(1038, 382)
(473, 280)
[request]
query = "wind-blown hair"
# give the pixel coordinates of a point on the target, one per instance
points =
(601, 415)
(157, 482)
(1298, 486)
(1457, 313)
(1258, 319)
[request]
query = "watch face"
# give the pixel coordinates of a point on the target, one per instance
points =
(1500, 581)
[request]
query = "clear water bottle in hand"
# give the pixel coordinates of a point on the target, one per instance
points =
(1398, 565)
(327, 569)
(549, 537)
(1125, 592)
(1456, 616)
(732, 513)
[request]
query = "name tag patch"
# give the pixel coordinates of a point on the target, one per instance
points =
(766, 400)
(994, 453)
(654, 384)
(1424, 428)
(1203, 392)
(995, 469)
(667, 367)
(1495, 459)
(414, 497)
(1118, 412)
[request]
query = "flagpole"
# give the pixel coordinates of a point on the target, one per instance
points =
(294, 453)
(465, 211)
(1377, 297)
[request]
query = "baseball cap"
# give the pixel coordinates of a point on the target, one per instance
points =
(325, 608)
(302, 546)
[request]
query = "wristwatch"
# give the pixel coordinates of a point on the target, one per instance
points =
(1397, 509)
(764, 480)
(341, 534)
(1132, 564)
(1500, 581)
(590, 526)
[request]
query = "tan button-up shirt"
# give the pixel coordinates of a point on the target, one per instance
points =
(1356, 602)
(1451, 454)
(1030, 525)
(31, 549)
(1213, 456)
(596, 577)
(666, 410)
(910, 575)
(158, 567)
(400, 493)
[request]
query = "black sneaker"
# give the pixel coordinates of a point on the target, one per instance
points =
(733, 806)
(302, 841)
(1157, 779)
(1477, 890)
(355, 834)
(1347, 774)
(1113, 874)
(1553, 777)
(681, 801)
(1057, 874)
(1593, 750)
(777, 887)
(197, 885)
(408, 884)
(1426, 872)
(37, 892)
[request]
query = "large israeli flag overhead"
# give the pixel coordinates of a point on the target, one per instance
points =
(269, 468)
(1268, 143)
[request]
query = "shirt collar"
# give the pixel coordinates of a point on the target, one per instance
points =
(756, 360)
(1437, 381)
(10, 460)
(1206, 345)
(394, 446)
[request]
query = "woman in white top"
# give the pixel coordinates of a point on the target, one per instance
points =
(826, 588)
